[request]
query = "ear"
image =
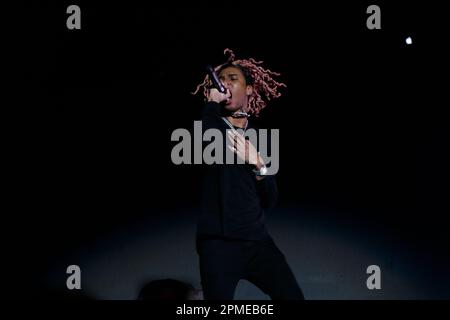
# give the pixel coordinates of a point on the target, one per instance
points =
(249, 90)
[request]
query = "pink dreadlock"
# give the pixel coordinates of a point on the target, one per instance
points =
(264, 86)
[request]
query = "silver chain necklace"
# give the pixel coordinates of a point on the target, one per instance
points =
(231, 126)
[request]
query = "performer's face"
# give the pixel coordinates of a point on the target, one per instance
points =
(234, 81)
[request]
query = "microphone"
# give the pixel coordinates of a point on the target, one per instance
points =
(215, 79)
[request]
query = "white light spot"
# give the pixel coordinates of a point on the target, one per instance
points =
(408, 40)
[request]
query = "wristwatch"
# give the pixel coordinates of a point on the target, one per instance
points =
(261, 172)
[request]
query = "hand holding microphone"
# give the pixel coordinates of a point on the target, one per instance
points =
(219, 93)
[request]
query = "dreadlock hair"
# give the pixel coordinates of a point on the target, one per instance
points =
(265, 87)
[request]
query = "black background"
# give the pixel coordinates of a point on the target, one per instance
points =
(363, 123)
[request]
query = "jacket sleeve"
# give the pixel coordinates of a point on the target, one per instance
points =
(268, 191)
(211, 115)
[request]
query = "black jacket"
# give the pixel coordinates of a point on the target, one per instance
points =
(233, 200)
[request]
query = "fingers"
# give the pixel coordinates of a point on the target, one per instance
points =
(235, 141)
(234, 135)
(214, 95)
(238, 144)
(243, 148)
(233, 149)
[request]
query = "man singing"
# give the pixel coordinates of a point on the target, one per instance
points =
(233, 242)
